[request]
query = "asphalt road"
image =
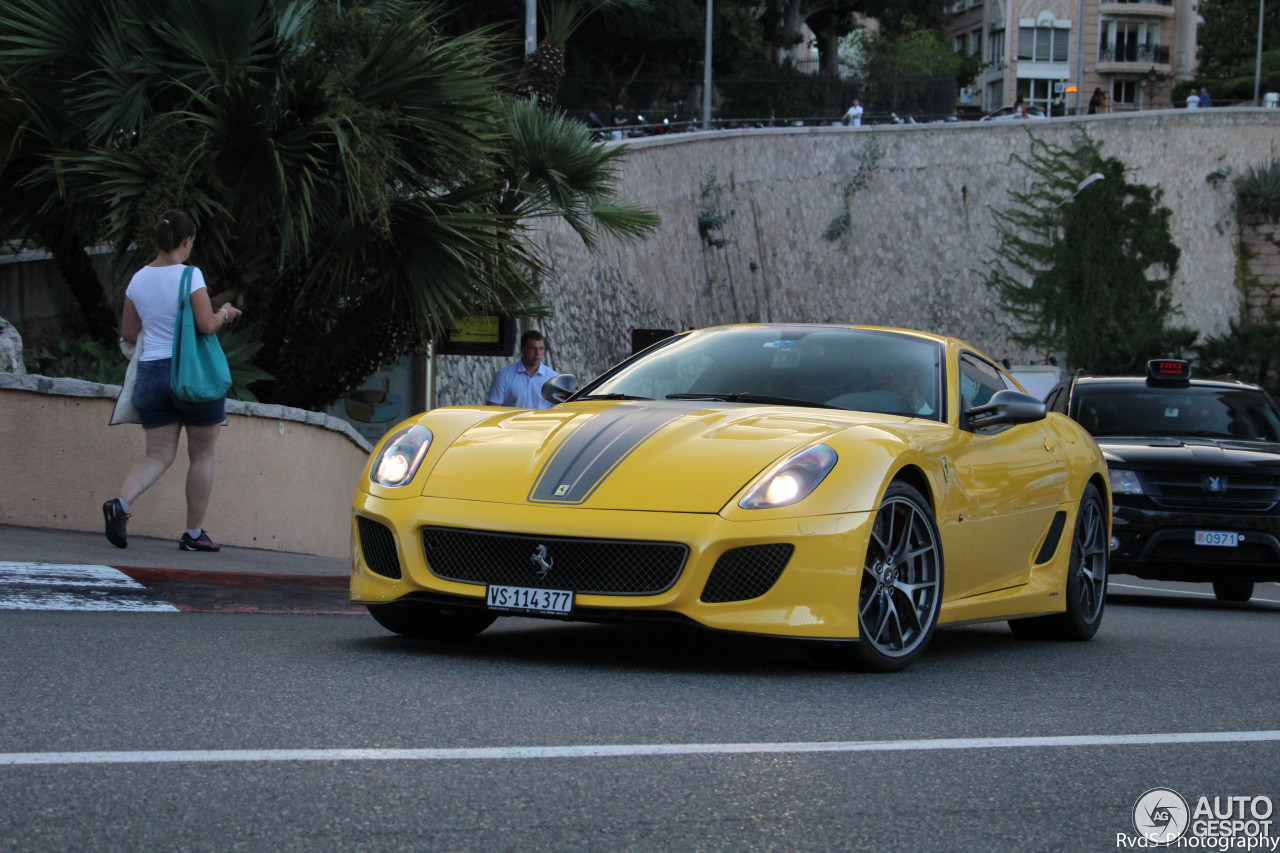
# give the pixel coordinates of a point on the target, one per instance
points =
(245, 731)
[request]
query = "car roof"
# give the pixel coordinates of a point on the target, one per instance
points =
(1237, 384)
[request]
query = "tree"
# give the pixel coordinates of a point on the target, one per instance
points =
(1227, 40)
(352, 171)
(1084, 264)
(831, 20)
(543, 69)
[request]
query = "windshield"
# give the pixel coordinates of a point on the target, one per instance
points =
(1200, 411)
(857, 369)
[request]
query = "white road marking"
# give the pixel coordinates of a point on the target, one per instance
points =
(1171, 591)
(47, 586)
(501, 753)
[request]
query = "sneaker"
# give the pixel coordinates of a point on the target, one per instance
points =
(204, 543)
(116, 518)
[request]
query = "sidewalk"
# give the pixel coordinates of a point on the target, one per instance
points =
(68, 547)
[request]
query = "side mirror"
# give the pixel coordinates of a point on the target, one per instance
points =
(1006, 407)
(559, 388)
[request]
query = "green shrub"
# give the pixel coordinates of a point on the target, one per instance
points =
(1248, 351)
(1258, 191)
(89, 360)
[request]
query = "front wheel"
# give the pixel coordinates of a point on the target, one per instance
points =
(1233, 590)
(1086, 590)
(901, 591)
(426, 622)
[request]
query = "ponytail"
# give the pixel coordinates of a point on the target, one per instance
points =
(174, 227)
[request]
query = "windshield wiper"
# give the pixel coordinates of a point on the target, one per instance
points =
(613, 397)
(752, 398)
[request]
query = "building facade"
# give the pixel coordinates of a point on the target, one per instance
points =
(1055, 53)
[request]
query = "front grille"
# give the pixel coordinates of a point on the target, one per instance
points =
(378, 544)
(1186, 490)
(746, 573)
(1189, 552)
(589, 566)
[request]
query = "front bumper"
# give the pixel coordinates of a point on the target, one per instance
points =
(815, 596)
(1159, 544)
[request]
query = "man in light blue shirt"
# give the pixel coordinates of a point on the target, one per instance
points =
(520, 384)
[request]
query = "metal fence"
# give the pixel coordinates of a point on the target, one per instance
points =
(675, 103)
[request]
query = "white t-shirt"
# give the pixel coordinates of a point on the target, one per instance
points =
(154, 291)
(854, 116)
(1193, 101)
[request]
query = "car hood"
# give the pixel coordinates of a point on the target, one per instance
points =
(1200, 453)
(677, 456)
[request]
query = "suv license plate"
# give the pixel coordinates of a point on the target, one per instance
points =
(524, 599)
(1217, 538)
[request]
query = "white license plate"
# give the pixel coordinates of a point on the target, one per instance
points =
(1217, 538)
(525, 599)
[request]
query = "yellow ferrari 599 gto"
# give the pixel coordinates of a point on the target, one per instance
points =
(848, 487)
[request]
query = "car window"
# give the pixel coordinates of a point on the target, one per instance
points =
(1198, 411)
(978, 381)
(856, 369)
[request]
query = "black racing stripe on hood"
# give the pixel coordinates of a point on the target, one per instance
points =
(595, 449)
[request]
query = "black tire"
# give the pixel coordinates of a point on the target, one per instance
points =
(901, 591)
(1239, 591)
(425, 622)
(1086, 588)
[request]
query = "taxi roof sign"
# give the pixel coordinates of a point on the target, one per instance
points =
(1168, 370)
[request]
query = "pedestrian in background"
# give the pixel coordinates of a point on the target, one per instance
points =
(151, 307)
(1205, 100)
(1193, 101)
(853, 116)
(1097, 103)
(520, 384)
(619, 119)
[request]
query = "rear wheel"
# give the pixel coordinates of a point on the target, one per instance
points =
(901, 591)
(1086, 590)
(1233, 590)
(426, 622)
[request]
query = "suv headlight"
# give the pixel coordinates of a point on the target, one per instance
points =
(400, 457)
(792, 479)
(1125, 482)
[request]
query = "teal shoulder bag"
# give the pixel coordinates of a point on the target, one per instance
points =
(199, 372)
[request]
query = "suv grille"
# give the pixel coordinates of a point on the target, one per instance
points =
(1189, 490)
(591, 566)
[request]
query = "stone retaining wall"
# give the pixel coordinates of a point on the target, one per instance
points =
(919, 232)
(1260, 243)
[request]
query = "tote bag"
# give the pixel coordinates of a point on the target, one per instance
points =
(199, 372)
(125, 411)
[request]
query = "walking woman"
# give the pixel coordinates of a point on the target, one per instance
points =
(151, 307)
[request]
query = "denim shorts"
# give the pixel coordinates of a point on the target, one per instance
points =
(159, 406)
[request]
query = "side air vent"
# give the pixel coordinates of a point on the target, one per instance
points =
(378, 544)
(1052, 538)
(745, 573)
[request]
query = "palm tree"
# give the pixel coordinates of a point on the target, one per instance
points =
(353, 172)
(543, 69)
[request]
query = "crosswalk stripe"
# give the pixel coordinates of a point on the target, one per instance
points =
(41, 586)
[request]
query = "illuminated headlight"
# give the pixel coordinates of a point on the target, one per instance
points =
(791, 480)
(401, 456)
(1125, 482)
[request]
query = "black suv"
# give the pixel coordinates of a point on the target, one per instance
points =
(1195, 474)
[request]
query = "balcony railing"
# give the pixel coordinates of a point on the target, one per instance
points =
(1150, 55)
